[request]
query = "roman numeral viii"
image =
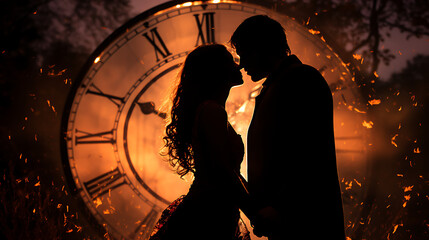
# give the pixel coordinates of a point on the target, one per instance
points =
(104, 183)
(158, 44)
(83, 137)
(207, 21)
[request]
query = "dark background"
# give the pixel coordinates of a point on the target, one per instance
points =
(44, 43)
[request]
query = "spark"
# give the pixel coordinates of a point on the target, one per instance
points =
(355, 109)
(97, 202)
(395, 228)
(416, 150)
(409, 188)
(374, 102)
(357, 182)
(97, 60)
(314, 32)
(367, 124)
(358, 57)
(392, 141)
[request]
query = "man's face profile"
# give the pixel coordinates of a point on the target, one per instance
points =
(254, 62)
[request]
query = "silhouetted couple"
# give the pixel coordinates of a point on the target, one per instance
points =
(292, 190)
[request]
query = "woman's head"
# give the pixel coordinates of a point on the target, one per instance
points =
(210, 68)
(208, 73)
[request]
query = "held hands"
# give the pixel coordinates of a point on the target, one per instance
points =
(266, 221)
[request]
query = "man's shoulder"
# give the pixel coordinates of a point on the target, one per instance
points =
(298, 74)
(303, 70)
(300, 79)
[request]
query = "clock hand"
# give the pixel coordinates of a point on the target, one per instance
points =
(149, 107)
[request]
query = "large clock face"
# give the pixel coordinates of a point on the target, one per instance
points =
(115, 119)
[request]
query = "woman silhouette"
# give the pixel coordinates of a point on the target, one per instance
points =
(199, 139)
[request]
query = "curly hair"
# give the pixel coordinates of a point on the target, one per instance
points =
(200, 79)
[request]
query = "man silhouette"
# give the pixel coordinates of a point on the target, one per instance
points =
(292, 172)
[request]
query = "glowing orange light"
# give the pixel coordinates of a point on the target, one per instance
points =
(374, 101)
(394, 228)
(358, 57)
(97, 60)
(392, 141)
(314, 32)
(97, 202)
(409, 188)
(367, 124)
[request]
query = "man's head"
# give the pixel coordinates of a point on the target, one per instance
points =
(260, 42)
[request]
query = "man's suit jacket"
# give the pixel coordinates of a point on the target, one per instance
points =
(291, 152)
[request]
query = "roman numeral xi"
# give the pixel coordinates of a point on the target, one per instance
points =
(158, 44)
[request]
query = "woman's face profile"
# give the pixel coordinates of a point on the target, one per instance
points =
(235, 77)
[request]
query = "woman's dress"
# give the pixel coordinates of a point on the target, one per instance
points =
(210, 209)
